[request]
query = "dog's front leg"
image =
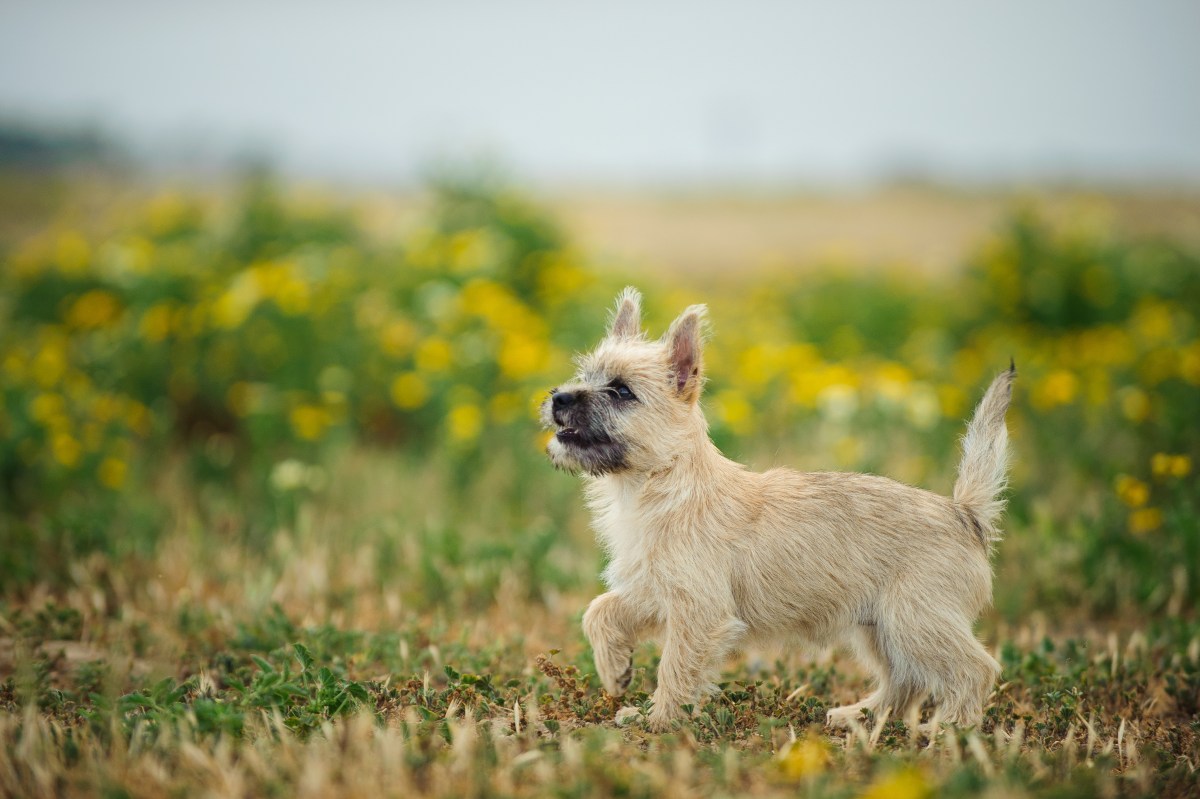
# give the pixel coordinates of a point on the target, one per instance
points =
(613, 624)
(698, 638)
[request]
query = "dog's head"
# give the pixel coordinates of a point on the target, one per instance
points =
(633, 401)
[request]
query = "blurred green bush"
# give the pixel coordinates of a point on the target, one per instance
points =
(258, 335)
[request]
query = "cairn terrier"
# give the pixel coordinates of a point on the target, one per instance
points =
(709, 557)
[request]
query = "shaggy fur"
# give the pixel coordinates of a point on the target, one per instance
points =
(709, 556)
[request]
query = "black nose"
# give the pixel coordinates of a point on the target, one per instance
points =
(562, 399)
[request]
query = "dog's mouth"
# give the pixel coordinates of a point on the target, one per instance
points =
(585, 449)
(580, 438)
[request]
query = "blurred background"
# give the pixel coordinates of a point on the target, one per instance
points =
(287, 284)
(282, 285)
(630, 95)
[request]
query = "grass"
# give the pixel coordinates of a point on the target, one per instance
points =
(314, 664)
(307, 580)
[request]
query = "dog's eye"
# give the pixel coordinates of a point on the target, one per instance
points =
(620, 390)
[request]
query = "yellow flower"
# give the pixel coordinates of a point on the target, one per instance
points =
(396, 338)
(464, 422)
(95, 308)
(112, 472)
(1135, 403)
(907, 783)
(1145, 520)
(409, 391)
(155, 323)
(1153, 321)
(1132, 491)
(838, 401)
(137, 416)
(136, 254)
(166, 212)
(292, 296)
(45, 407)
(49, 364)
(922, 407)
(72, 252)
(1165, 465)
(1189, 363)
(288, 475)
(1057, 388)
(426, 249)
(805, 757)
(808, 385)
(236, 303)
(434, 355)
(309, 421)
(521, 356)
(500, 308)
(892, 382)
(471, 251)
(733, 409)
(237, 397)
(561, 278)
(758, 364)
(505, 406)
(66, 449)
(953, 400)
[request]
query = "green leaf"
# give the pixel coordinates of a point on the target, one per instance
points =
(303, 655)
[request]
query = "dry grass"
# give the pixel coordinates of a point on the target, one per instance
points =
(518, 712)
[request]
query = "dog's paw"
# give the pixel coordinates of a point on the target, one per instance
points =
(633, 717)
(844, 717)
(665, 713)
(662, 722)
(615, 674)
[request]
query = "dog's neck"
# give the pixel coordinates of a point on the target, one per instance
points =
(633, 509)
(694, 464)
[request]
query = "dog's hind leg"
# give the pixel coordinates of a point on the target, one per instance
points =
(866, 648)
(892, 693)
(939, 655)
(963, 695)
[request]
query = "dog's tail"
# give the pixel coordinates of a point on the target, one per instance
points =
(983, 472)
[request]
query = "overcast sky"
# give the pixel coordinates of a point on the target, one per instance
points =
(616, 92)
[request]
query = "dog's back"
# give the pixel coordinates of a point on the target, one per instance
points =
(832, 545)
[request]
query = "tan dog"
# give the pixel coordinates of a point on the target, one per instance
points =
(710, 556)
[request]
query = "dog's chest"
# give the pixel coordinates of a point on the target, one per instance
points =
(632, 541)
(643, 548)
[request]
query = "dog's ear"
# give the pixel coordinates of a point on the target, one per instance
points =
(684, 348)
(627, 322)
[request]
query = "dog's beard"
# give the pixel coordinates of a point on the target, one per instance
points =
(579, 445)
(580, 450)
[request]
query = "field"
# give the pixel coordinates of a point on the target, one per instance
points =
(275, 517)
